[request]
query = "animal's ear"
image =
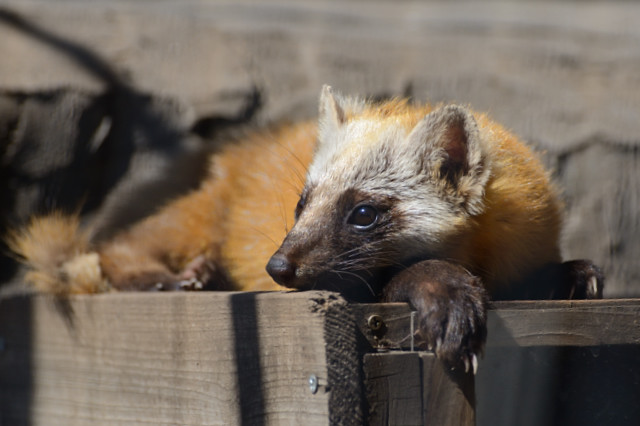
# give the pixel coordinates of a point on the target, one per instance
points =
(450, 144)
(450, 139)
(331, 114)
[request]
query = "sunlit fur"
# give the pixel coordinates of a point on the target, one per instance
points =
(500, 221)
(59, 256)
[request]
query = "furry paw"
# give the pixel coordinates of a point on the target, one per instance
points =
(451, 305)
(160, 280)
(199, 274)
(585, 278)
(192, 278)
(191, 284)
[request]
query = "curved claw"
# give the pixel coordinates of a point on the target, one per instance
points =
(191, 284)
(470, 363)
(451, 305)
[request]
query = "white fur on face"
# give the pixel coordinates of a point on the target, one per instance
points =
(434, 174)
(377, 157)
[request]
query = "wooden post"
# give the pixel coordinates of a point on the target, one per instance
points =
(414, 388)
(409, 387)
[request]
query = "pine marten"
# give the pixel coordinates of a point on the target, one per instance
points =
(439, 207)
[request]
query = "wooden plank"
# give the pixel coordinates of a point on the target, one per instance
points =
(226, 358)
(414, 388)
(207, 358)
(448, 395)
(565, 323)
(394, 390)
(522, 323)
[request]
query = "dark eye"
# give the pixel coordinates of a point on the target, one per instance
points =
(363, 217)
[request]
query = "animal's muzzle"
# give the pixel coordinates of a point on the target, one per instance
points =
(282, 270)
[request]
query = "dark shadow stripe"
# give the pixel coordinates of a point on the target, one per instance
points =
(247, 356)
(16, 365)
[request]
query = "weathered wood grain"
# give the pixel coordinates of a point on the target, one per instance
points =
(565, 323)
(448, 395)
(212, 358)
(246, 358)
(394, 388)
(523, 323)
(546, 362)
(414, 388)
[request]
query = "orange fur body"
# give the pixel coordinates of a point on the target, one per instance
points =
(243, 210)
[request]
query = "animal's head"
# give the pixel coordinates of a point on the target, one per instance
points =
(389, 183)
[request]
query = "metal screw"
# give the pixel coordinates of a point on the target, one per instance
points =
(375, 322)
(313, 383)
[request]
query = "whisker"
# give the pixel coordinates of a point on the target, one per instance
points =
(370, 252)
(364, 260)
(292, 155)
(264, 234)
(366, 283)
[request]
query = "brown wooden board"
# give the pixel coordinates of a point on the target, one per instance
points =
(394, 388)
(546, 362)
(522, 323)
(448, 395)
(246, 358)
(208, 358)
(414, 388)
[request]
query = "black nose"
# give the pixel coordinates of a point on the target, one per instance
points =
(281, 269)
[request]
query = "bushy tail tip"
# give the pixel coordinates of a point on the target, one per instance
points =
(58, 255)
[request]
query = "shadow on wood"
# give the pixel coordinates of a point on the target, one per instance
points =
(247, 356)
(16, 369)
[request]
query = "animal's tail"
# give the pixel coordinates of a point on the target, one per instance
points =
(58, 255)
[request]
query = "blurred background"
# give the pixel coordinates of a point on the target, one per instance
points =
(108, 106)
